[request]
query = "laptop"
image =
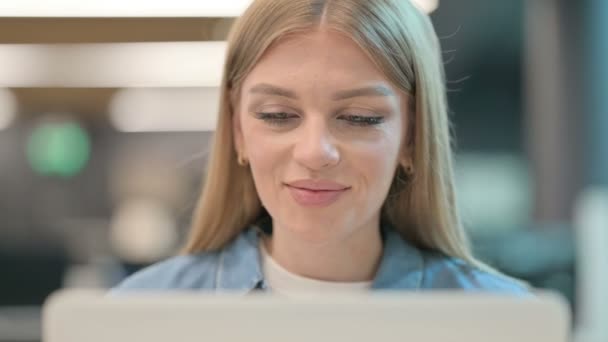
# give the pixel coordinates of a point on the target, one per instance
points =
(77, 316)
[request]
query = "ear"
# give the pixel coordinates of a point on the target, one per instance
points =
(237, 131)
(409, 130)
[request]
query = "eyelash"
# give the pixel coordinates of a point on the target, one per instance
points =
(278, 119)
(360, 120)
(282, 118)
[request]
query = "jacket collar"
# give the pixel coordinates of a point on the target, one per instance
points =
(401, 266)
(240, 270)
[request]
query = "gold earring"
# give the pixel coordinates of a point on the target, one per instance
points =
(242, 161)
(408, 168)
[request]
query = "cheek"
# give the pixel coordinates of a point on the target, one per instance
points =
(264, 151)
(375, 163)
(267, 157)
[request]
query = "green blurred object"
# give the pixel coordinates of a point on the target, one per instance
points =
(58, 149)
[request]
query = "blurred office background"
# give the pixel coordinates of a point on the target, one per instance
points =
(106, 116)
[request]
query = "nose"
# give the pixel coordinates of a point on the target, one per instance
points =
(316, 148)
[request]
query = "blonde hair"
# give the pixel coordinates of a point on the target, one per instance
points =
(402, 42)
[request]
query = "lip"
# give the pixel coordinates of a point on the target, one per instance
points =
(317, 185)
(316, 192)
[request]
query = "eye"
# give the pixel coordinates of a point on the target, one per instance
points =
(362, 120)
(276, 118)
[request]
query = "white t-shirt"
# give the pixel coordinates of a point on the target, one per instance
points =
(283, 282)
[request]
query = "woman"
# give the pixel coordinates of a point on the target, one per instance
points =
(331, 168)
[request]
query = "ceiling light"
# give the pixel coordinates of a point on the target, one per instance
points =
(121, 8)
(122, 65)
(427, 6)
(165, 110)
(8, 108)
(134, 9)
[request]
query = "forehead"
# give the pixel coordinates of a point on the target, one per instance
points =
(323, 55)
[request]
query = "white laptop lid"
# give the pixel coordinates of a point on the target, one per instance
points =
(387, 317)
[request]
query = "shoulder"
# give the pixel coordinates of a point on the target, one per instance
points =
(180, 272)
(442, 272)
(234, 267)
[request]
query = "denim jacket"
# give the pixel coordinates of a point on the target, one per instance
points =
(237, 268)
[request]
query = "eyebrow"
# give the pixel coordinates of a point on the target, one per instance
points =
(378, 90)
(267, 89)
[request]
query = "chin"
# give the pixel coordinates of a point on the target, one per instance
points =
(315, 229)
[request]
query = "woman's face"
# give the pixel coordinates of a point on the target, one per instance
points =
(322, 129)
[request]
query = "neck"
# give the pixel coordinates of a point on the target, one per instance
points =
(354, 258)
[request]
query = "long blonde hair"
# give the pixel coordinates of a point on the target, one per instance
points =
(402, 42)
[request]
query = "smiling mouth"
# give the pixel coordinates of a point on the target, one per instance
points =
(315, 197)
